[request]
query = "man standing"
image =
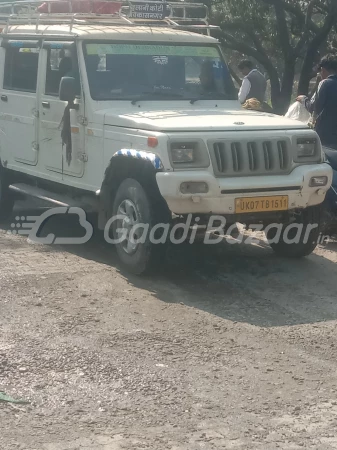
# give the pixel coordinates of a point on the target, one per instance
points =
(254, 84)
(323, 104)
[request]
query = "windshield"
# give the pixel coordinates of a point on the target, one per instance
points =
(132, 71)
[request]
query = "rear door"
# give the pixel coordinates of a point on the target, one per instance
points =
(18, 102)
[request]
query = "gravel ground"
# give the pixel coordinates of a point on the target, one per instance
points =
(229, 347)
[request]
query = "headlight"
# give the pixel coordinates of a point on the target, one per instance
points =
(182, 153)
(306, 147)
(188, 154)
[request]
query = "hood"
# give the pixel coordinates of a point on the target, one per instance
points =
(216, 119)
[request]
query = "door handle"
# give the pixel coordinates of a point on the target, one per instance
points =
(46, 104)
(4, 98)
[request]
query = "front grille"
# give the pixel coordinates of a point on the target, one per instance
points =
(251, 158)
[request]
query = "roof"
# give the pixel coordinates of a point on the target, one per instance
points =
(111, 32)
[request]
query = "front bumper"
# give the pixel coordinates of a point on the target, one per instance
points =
(222, 193)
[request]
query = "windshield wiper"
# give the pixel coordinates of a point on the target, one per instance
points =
(162, 93)
(196, 99)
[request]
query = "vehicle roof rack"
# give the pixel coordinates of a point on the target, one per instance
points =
(181, 14)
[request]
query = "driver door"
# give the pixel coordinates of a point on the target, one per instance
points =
(60, 59)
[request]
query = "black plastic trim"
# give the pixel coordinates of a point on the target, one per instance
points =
(252, 191)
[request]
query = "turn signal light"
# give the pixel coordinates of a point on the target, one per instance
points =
(194, 187)
(318, 181)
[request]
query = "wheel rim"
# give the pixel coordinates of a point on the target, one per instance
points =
(125, 231)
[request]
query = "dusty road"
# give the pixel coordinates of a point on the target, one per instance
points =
(235, 349)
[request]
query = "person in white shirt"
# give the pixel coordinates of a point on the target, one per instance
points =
(254, 84)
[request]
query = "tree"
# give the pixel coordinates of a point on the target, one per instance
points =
(281, 35)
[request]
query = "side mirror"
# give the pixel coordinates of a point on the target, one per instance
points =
(67, 91)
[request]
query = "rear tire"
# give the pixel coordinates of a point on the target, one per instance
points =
(6, 197)
(133, 203)
(307, 239)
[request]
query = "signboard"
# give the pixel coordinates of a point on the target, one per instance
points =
(151, 10)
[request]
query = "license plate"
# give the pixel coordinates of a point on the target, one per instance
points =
(261, 204)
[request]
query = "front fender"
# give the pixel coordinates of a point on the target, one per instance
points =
(126, 163)
(141, 154)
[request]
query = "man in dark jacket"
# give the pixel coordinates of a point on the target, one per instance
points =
(254, 84)
(323, 105)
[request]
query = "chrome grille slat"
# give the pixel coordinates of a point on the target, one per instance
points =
(217, 157)
(282, 152)
(236, 157)
(252, 155)
(268, 155)
(260, 157)
(219, 150)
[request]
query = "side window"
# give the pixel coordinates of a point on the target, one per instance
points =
(60, 63)
(21, 69)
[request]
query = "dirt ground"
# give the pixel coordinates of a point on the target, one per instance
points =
(229, 347)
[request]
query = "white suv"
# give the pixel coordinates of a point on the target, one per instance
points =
(151, 128)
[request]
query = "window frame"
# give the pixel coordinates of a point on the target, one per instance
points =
(53, 44)
(8, 44)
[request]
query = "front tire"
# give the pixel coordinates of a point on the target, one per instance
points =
(293, 243)
(136, 208)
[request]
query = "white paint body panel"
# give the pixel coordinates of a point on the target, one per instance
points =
(204, 115)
